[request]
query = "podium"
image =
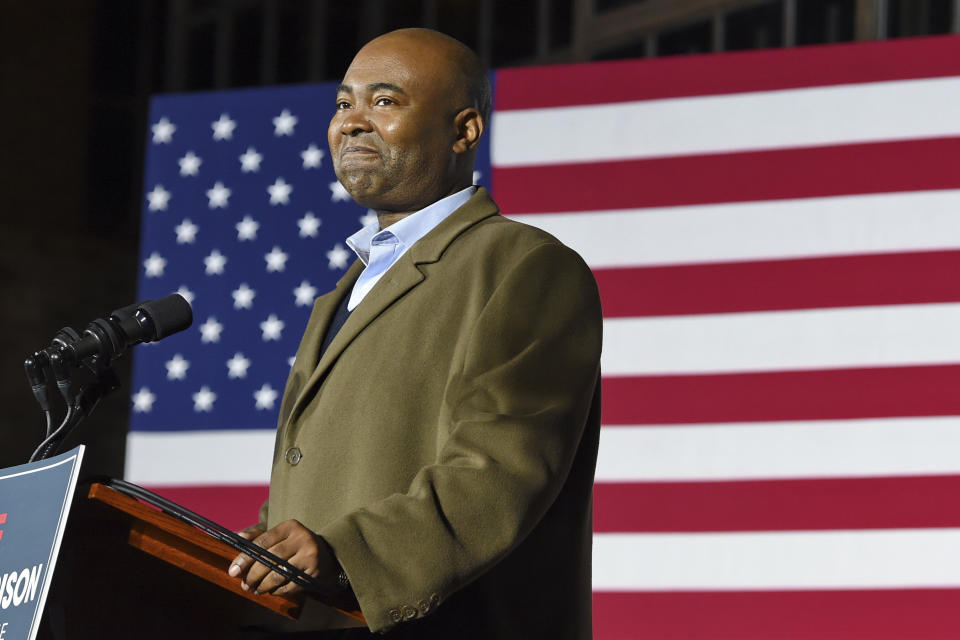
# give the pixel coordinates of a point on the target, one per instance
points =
(126, 570)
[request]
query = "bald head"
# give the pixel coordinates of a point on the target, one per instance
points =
(411, 110)
(465, 72)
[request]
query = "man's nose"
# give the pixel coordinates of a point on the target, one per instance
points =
(355, 122)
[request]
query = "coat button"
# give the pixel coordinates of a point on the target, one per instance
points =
(424, 607)
(395, 615)
(435, 600)
(409, 613)
(293, 456)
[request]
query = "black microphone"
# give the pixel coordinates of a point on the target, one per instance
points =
(148, 321)
(103, 340)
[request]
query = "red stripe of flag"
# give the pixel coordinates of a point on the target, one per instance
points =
(777, 505)
(235, 507)
(767, 285)
(894, 614)
(694, 506)
(912, 165)
(833, 394)
(629, 80)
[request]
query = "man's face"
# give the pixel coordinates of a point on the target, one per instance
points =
(392, 135)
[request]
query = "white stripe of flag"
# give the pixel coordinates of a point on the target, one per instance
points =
(780, 450)
(218, 457)
(708, 452)
(885, 558)
(844, 114)
(869, 336)
(777, 229)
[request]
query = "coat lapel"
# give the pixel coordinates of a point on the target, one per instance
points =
(397, 281)
(309, 350)
(323, 311)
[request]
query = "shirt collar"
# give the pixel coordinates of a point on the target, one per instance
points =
(409, 229)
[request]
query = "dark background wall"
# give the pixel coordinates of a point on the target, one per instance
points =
(64, 257)
(77, 75)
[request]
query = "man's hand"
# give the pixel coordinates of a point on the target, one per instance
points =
(292, 542)
(252, 532)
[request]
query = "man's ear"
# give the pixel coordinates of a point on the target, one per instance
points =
(470, 127)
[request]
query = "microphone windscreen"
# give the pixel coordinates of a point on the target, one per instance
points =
(125, 312)
(168, 315)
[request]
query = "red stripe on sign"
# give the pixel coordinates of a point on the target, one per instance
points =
(832, 394)
(769, 285)
(777, 505)
(3, 518)
(234, 507)
(875, 167)
(895, 614)
(629, 80)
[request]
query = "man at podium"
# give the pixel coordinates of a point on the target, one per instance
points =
(438, 434)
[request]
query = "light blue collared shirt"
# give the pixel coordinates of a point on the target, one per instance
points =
(380, 249)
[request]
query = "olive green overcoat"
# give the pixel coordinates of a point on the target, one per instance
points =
(445, 443)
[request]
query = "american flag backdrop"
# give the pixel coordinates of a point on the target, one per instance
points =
(776, 236)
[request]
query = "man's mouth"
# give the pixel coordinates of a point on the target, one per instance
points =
(359, 150)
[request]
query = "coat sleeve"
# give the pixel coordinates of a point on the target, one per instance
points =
(518, 408)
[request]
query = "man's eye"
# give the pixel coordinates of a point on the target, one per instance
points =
(383, 101)
(342, 104)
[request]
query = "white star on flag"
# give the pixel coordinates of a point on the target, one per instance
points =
(291, 360)
(177, 368)
(215, 263)
(203, 400)
(190, 164)
(276, 260)
(158, 198)
(265, 396)
(271, 327)
(243, 297)
(210, 330)
(218, 196)
(186, 293)
(309, 224)
(143, 400)
(338, 257)
(223, 128)
(305, 294)
(250, 161)
(280, 192)
(368, 218)
(163, 132)
(237, 366)
(284, 123)
(338, 193)
(154, 265)
(186, 232)
(247, 229)
(312, 157)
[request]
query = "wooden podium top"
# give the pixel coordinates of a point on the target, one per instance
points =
(188, 548)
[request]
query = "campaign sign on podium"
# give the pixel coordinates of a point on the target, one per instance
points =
(34, 504)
